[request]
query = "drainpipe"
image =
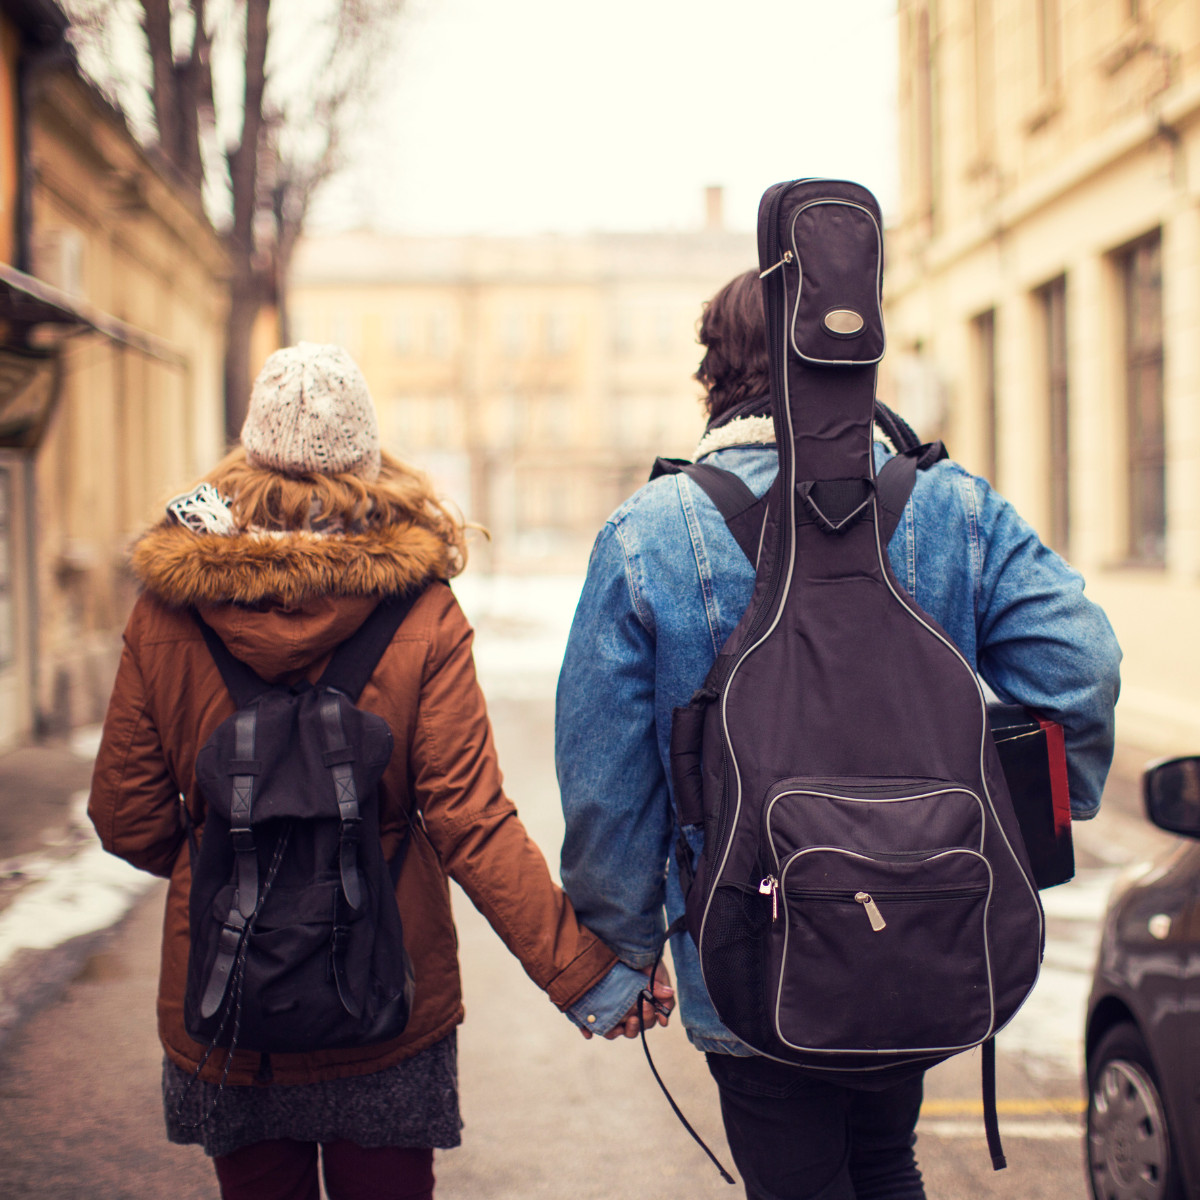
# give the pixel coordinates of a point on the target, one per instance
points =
(32, 68)
(33, 628)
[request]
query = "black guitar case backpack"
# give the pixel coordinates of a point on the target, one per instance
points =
(864, 906)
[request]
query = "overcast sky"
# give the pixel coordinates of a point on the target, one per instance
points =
(523, 116)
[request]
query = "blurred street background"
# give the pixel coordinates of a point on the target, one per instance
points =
(511, 216)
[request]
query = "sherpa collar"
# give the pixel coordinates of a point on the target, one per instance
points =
(184, 568)
(744, 431)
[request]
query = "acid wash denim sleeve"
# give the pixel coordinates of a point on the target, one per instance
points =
(665, 588)
(600, 1008)
(1029, 630)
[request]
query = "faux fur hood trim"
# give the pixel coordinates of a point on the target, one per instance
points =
(183, 568)
(745, 431)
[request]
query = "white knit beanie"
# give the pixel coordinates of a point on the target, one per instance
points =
(311, 412)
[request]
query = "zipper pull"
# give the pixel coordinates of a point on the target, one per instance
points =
(770, 887)
(873, 913)
(787, 258)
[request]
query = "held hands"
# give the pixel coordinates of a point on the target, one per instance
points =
(657, 1014)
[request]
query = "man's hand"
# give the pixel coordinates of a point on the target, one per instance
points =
(657, 1014)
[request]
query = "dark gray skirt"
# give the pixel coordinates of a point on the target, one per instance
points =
(414, 1104)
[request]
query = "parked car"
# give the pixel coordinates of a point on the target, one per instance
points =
(1143, 1027)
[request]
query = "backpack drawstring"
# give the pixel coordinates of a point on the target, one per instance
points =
(233, 999)
(647, 995)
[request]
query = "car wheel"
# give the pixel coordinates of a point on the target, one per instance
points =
(1129, 1150)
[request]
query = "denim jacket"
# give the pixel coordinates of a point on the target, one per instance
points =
(665, 587)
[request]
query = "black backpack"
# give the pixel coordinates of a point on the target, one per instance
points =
(296, 938)
(864, 905)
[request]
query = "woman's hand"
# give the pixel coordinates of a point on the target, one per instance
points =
(657, 1014)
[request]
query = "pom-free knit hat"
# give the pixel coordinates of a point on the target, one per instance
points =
(311, 412)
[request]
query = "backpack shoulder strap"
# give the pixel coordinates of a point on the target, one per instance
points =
(725, 489)
(355, 660)
(731, 497)
(242, 683)
(743, 511)
(893, 486)
(896, 480)
(899, 432)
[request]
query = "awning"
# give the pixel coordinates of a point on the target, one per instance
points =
(29, 385)
(31, 376)
(26, 301)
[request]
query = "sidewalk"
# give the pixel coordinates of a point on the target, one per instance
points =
(60, 894)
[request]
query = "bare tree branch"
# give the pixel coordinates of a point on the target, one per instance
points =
(294, 126)
(348, 73)
(194, 94)
(156, 21)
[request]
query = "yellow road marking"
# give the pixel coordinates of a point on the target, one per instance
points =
(1064, 1105)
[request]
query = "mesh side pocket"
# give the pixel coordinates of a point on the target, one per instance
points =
(734, 962)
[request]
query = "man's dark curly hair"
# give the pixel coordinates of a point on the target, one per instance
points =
(733, 331)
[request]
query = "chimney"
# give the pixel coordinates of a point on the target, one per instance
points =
(714, 216)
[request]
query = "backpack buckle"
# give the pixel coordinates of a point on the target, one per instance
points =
(242, 839)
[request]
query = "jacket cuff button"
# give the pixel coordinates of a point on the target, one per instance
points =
(591, 1018)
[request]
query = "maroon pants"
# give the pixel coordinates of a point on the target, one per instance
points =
(285, 1170)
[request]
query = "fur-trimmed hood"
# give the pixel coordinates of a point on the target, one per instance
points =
(183, 568)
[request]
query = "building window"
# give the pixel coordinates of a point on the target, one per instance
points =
(924, 107)
(985, 80)
(664, 326)
(402, 334)
(623, 326)
(558, 333)
(511, 420)
(557, 419)
(513, 333)
(406, 428)
(58, 259)
(985, 353)
(1141, 273)
(442, 422)
(339, 331)
(439, 335)
(1049, 26)
(1053, 299)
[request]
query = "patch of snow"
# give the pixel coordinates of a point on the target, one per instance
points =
(1085, 898)
(1049, 1026)
(85, 741)
(1050, 1023)
(69, 897)
(521, 628)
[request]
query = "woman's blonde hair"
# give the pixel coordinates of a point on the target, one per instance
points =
(265, 499)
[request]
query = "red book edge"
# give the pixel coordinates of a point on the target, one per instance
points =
(1056, 752)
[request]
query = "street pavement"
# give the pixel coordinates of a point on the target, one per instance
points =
(547, 1113)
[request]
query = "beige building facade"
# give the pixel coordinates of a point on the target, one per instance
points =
(1043, 298)
(112, 311)
(536, 379)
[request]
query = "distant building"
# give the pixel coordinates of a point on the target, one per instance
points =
(1043, 297)
(536, 378)
(112, 310)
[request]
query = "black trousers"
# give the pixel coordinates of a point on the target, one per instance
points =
(795, 1136)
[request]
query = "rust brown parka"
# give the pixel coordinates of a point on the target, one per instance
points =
(298, 596)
